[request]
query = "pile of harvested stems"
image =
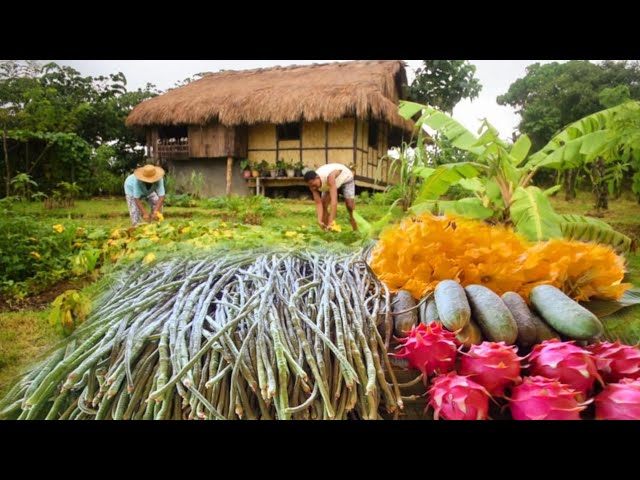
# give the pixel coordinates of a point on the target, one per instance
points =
(276, 335)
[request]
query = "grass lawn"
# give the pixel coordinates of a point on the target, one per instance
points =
(26, 334)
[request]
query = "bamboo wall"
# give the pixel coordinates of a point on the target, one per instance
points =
(344, 141)
(370, 163)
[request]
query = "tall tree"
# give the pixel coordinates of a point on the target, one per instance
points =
(552, 96)
(443, 83)
(53, 120)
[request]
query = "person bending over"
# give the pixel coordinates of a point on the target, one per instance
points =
(326, 180)
(144, 183)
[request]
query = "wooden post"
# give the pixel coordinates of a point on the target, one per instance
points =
(229, 171)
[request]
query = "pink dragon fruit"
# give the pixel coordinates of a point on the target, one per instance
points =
(454, 397)
(566, 362)
(615, 361)
(539, 398)
(429, 348)
(492, 365)
(619, 401)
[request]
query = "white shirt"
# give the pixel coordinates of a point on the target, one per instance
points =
(343, 177)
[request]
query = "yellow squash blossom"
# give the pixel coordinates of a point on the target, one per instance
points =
(420, 252)
(58, 228)
(148, 258)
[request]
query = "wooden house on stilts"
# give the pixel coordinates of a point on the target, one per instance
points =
(345, 112)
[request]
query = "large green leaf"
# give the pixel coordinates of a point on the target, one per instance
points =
(623, 325)
(438, 182)
(583, 139)
(574, 152)
(587, 229)
(364, 226)
(520, 149)
(458, 135)
(409, 109)
(550, 191)
(466, 207)
(533, 215)
(573, 218)
(472, 184)
(604, 308)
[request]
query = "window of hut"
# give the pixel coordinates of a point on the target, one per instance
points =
(289, 131)
(373, 134)
(177, 132)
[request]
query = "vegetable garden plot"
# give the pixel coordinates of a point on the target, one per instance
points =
(274, 335)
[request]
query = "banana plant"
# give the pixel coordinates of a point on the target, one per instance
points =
(499, 180)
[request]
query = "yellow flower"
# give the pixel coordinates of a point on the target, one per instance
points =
(35, 255)
(148, 258)
(422, 251)
(117, 233)
(335, 227)
(58, 228)
(291, 234)
(159, 216)
(184, 230)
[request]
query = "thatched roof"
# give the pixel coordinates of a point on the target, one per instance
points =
(324, 92)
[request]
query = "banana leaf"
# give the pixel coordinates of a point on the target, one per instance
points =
(533, 215)
(606, 308)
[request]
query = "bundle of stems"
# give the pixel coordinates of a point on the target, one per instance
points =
(234, 335)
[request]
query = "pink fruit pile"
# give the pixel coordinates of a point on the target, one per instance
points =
(561, 379)
(429, 348)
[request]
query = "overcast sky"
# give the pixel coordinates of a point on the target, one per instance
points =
(494, 75)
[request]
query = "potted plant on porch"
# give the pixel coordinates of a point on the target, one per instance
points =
(245, 165)
(290, 169)
(281, 167)
(263, 168)
(297, 169)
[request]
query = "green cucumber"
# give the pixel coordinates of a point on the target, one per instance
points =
(430, 312)
(543, 331)
(564, 314)
(453, 308)
(527, 333)
(493, 316)
(403, 322)
(470, 334)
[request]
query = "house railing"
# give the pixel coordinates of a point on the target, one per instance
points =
(173, 149)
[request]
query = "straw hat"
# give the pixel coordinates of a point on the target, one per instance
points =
(149, 173)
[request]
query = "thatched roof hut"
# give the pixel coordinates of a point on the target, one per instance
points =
(325, 92)
(344, 112)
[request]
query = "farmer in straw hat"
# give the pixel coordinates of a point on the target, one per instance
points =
(145, 183)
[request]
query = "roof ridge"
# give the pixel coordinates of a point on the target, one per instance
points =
(298, 66)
